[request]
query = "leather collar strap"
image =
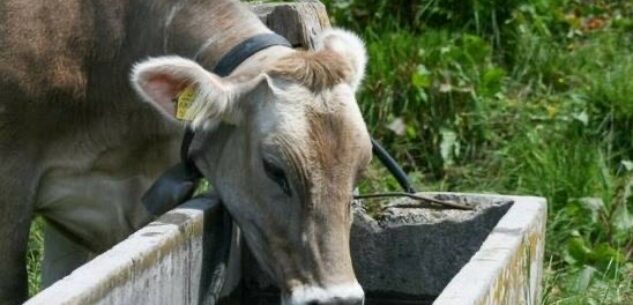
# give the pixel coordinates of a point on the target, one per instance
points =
(227, 64)
(246, 49)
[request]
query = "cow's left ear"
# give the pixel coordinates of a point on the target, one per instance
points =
(350, 47)
(212, 99)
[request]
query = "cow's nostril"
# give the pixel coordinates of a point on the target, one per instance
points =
(313, 303)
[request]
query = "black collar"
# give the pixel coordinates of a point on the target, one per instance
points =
(246, 49)
(227, 64)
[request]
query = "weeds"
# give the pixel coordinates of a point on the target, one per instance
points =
(34, 255)
(525, 97)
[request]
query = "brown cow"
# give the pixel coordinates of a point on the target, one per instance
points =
(281, 138)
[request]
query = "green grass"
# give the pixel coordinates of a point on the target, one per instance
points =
(522, 97)
(34, 255)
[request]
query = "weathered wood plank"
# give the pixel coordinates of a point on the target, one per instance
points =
(299, 22)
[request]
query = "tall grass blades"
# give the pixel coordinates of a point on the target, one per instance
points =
(520, 96)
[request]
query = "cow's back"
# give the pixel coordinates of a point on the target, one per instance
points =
(48, 45)
(64, 67)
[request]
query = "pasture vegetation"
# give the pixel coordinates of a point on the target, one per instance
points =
(509, 96)
(513, 96)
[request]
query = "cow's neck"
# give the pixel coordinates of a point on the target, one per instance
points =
(213, 28)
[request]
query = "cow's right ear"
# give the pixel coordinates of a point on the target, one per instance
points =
(160, 81)
(213, 99)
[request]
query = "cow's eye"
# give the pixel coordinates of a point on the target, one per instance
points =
(277, 175)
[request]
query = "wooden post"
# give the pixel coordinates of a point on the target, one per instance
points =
(299, 22)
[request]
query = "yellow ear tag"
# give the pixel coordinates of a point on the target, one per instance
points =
(185, 99)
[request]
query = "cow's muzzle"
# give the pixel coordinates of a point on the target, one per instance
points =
(340, 294)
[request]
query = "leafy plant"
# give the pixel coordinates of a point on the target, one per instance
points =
(527, 97)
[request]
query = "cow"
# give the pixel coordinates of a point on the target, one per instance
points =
(88, 122)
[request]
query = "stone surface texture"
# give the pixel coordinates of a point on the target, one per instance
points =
(492, 254)
(417, 251)
(160, 264)
(507, 269)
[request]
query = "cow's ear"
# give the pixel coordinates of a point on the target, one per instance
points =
(161, 81)
(350, 47)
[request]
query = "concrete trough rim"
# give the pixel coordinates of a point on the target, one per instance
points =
(95, 279)
(482, 280)
(475, 282)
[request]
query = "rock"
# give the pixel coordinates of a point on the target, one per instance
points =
(417, 251)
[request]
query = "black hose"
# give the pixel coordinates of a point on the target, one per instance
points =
(387, 160)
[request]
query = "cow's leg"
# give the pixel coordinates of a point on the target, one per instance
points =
(14, 234)
(62, 255)
(16, 212)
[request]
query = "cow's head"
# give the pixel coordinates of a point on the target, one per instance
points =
(285, 158)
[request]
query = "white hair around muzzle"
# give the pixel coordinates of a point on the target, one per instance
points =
(343, 294)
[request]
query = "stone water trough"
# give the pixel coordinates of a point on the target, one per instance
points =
(409, 255)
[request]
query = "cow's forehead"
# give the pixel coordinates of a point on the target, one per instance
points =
(325, 127)
(294, 108)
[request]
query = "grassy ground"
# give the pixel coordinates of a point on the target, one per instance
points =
(514, 96)
(34, 255)
(510, 96)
